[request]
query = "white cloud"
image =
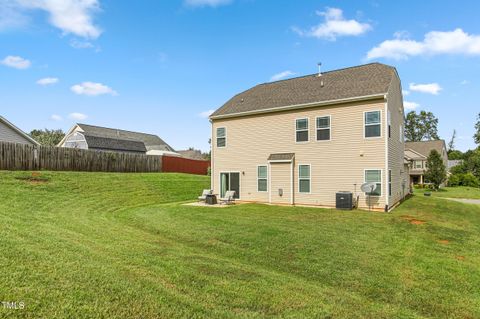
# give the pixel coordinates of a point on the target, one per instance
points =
(77, 116)
(464, 82)
(16, 62)
(76, 44)
(206, 114)
(205, 3)
(434, 43)
(430, 88)
(92, 89)
(70, 16)
(281, 75)
(56, 117)
(47, 81)
(405, 92)
(10, 16)
(334, 26)
(410, 105)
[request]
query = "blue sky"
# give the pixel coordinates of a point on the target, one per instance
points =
(161, 66)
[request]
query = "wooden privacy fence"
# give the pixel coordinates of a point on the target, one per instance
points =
(184, 165)
(29, 157)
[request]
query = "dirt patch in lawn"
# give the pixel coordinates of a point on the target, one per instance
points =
(444, 241)
(35, 179)
(460, 257)
(412, 220)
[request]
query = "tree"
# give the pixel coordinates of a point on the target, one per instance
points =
(47, 137)
(451, 144)
(436, 171)
(455, 155)
(421, 126)
(476, 136)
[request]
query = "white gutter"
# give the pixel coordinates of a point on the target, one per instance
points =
(301, 106)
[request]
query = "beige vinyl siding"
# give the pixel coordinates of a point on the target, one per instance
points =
(395, 147)
(282, 180)
(336, 165)
(7, 134)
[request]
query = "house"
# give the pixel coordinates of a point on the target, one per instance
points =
(99, 138)
(417, 153)
(300, 141)
(12, 134)
(193, 154)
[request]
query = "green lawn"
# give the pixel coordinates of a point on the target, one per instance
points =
(89, 245)
(453, 192)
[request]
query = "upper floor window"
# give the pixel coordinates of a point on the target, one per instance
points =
(373, 127)
(389, 116)
(323, 128)
(221, 137)
(418, 164)
(301, 130)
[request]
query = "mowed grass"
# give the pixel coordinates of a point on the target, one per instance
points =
(453, 192)
(88, 245)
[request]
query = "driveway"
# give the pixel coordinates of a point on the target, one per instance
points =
(465, 200)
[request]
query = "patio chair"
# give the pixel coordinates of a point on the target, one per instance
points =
(229, 198)
(204, 195)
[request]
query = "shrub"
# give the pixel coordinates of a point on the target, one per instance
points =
(455, 180)
(469, 179)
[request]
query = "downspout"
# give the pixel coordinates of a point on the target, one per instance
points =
(387, 197)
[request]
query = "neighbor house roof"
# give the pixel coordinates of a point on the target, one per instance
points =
(114, 144)
(368, 81)
(425, 147)
(150, 141)
(18, 131)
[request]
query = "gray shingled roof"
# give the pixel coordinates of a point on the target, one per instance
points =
(358, 81)
(114, 144)
(151, 142)
(424, 147)
(281, 157)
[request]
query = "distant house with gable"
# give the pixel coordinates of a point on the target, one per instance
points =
(84, 136)
(12, 134)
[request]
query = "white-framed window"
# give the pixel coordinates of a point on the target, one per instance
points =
(389, 182)
(262, 178)
(221, 137)
(323, 128)
(418, 164)
(401, 133)
(304, 179)
(301, 130)
(389, 117)
(374, 176)
(373, 126)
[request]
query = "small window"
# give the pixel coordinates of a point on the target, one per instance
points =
(374, 176)
(302, 130)
(221, 137)
(304, 178)
(389, 182)
(373, 127)
(323, 128)
(418, 164)
(262, 178)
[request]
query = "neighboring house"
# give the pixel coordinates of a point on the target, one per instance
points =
(193, 154)
(417, 153)
(302, 140)
(452, 163)
(11, 133)
(91, 137)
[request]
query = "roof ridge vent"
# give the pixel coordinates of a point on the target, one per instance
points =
(319, 69)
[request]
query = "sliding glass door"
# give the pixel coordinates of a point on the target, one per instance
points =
(230, 182)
